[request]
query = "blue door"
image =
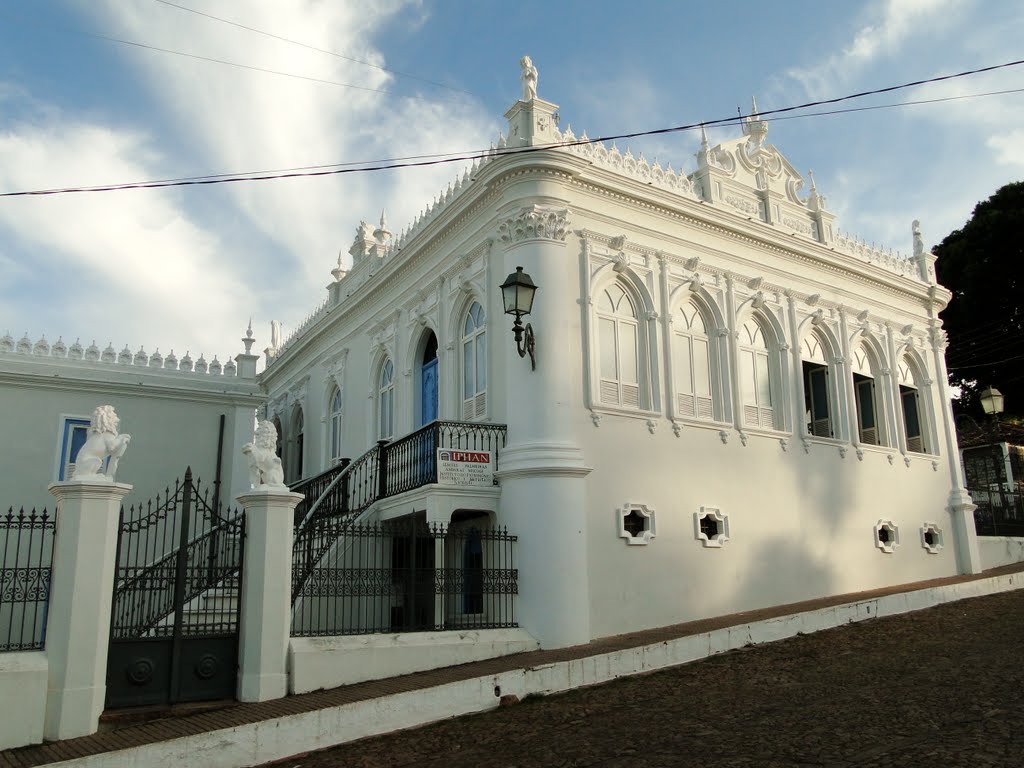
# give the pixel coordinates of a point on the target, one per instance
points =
(428, 393)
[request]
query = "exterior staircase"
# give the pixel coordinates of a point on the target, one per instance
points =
(342, 494)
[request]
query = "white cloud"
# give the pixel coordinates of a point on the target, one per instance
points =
(118, 260)
(188, 266)
(889, 27)
(1009, 147)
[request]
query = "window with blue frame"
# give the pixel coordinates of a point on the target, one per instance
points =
(74, 433)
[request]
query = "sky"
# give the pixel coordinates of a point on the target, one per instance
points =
(184, 268)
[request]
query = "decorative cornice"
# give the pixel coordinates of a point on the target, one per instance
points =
(535, 222)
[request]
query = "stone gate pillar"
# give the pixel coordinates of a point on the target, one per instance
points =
(78, 617)
(266, 610)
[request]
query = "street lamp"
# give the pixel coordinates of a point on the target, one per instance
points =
(517, 295)
(992, 404)
(991, 401)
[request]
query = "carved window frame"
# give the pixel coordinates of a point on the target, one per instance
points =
(646, 513)
(914, 389)
(938, 538)
(818, 353)
(386, 400)
(866, 373)
(623, 315)
(335, 416)
(766, 368)
(890, 539)
(685, 339)
(474, 344)
(721, 519)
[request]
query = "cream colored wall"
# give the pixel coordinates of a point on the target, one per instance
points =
(802, 524)
(170, 431)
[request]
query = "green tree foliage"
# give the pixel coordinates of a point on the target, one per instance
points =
(983, 265)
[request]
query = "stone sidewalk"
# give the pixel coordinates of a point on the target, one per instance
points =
(940, 688)
(180, 724)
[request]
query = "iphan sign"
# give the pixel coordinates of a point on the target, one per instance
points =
(458, 467)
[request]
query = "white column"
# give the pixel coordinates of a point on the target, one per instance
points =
(961, 506)
(543, 496)
(265, 624)
(78, 617)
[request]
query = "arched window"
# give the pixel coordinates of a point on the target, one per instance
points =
(334, 430)
(911, 408)
(867, 398)
(758, 371)
(386, 401)
(428, 380)
(474, 364)
(298, 429)
(279, 448)
(817, 378)
(618, 333)
(692, 353)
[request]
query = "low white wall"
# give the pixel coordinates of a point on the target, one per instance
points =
(23, 678)
(327, 662)
(1000, 550)
(282, 737)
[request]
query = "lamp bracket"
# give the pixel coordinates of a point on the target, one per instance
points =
(525, 341)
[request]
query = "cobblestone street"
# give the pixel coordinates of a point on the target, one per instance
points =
(941, 687)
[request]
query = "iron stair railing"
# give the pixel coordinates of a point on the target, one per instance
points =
(342, 493)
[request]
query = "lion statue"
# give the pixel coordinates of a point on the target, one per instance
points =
(265, 469)
(103, 442)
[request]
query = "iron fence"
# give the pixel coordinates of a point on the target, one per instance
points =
(407, 576)
(26, 541)
(999, 512)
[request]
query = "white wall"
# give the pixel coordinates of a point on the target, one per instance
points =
(316, 663)
(997, 551)
(23, 690)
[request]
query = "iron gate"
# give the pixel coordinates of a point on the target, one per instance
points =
(174, 620)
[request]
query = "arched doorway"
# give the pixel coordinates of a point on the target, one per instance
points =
(428, 380)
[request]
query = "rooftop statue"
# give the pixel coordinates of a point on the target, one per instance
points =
(529, 78)
(102, 443)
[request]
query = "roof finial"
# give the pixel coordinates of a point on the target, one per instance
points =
(381, 234)
(754, 126)
(248, 341)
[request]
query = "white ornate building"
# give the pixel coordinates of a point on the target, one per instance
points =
(733, 406)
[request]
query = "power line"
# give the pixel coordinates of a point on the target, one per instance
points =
(313, 47)
(438, 159)
(988, 363)
(254, 68)
(477, 154)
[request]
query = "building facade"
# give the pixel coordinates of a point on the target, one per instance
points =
(185, 413)
(732, 405)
